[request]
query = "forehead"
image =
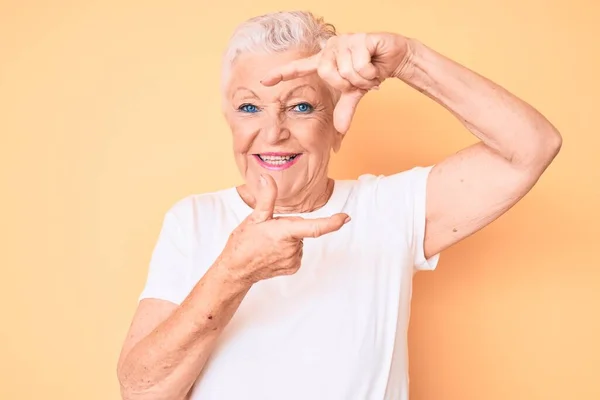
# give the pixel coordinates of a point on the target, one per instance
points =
(249, 69)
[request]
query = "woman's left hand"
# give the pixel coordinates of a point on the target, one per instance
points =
(353, 64)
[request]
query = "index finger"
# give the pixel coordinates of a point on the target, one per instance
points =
(292, 70)
(316, 227)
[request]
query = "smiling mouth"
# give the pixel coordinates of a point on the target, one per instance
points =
(277, 161)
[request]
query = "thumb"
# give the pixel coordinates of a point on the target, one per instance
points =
(265, 199)
(345, 109)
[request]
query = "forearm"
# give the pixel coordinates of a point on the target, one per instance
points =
(503, 122)
(166, 363)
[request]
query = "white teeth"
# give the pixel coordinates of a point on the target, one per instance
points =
(277, 160)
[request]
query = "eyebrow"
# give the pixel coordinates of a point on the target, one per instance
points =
(287, 96)
(243, 88)
(297, 88)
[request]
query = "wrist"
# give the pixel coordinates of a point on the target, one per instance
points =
(408, 64)
(230, 273)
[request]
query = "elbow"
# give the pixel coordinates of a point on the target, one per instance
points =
(126, 389)
(129, 392)
(126, 394)
(130, 388)
(540, 152)
(141, 388)
(549, 148)
(555, 143)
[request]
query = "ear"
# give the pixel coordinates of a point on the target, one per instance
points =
(337, 141)
(224, 107)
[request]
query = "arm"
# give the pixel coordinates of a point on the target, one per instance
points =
(168, 345)
(472, 188)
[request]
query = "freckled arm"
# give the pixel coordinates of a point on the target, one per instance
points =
(168, 345)
(472, 188)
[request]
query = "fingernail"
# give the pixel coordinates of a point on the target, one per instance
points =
(262, 180)
(375, 88)
(347, 219)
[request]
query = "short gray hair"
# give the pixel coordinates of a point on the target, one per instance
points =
(275, 33)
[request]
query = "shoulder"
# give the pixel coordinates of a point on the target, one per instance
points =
(394, 200)
(403, 177)
(395, 207)
(406, 184)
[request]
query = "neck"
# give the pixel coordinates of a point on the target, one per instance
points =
(307, 201)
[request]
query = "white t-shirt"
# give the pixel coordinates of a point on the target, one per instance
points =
(335, 330)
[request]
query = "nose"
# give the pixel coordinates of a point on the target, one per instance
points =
(275, 130)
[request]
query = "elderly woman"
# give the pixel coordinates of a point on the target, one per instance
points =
(295, 285)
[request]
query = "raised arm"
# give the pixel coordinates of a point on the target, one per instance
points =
(473, 187)
(470, 189)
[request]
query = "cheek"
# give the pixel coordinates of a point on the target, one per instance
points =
(314, 134)
(243, 133)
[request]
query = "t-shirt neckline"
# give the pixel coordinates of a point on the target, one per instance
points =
(334, 205)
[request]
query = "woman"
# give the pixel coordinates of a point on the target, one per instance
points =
(238, 305)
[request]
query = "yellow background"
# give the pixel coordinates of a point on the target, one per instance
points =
(109, 113)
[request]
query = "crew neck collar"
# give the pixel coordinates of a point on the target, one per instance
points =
(334, 205)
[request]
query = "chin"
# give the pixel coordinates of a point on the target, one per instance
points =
(287, 187)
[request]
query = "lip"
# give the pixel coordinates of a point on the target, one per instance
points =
(278, 154)
(281, 167)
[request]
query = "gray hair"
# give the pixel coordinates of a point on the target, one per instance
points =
(276, 33)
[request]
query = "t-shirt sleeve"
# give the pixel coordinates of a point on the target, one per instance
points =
(169, 268)
(419, 198)
(403, 198)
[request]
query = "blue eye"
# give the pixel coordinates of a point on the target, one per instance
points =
(303, 108)
(249, 108)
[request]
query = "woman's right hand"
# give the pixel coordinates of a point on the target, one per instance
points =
(262, 247)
